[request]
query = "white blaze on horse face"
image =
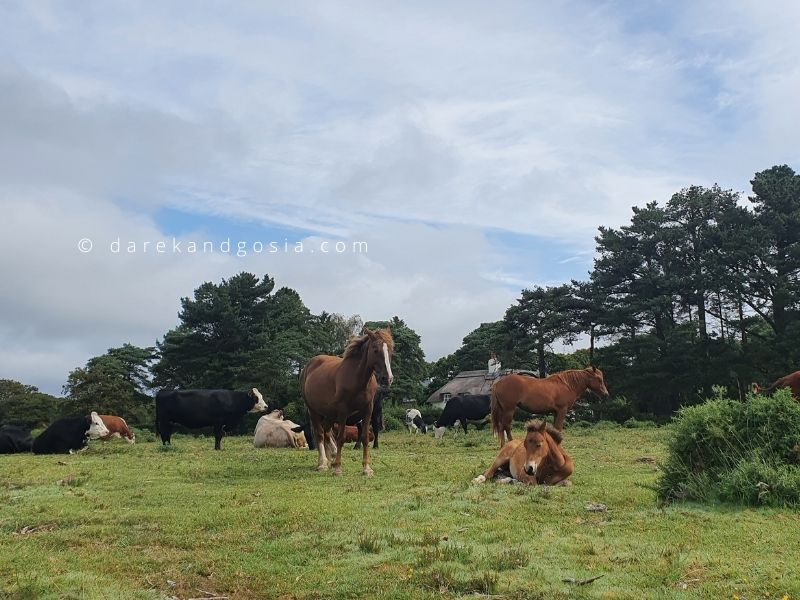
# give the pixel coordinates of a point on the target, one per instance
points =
(260, 405)
(388, 363)
(97, 428)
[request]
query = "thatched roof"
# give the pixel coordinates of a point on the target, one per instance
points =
(469, 382)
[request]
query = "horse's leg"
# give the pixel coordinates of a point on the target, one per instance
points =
(560, 477)
(502, 459)
(320, 435)
(365, 440)
(339, 427)
(219, 431)
(357, 445)
(561, 416)
(507, 430)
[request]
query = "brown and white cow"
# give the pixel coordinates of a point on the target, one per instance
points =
(351, 433)
(117, 427)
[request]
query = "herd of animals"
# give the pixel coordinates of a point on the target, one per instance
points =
(343, 397)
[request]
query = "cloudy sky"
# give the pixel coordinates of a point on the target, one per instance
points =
(474, 146)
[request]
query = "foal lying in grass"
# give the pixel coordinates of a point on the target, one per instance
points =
(538, 458)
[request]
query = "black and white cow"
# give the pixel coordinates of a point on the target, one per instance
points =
(15, 439)
(473, 408)
(204, 408)
(414, 421)
(69, 435)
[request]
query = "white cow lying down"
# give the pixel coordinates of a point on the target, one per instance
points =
(273, 431)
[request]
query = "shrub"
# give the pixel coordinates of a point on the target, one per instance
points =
(729, 451)
(392, 423)
(636, 424)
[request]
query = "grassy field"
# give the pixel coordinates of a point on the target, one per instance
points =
(121, 521)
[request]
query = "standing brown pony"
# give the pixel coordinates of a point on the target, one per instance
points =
(555, 394)
(336, 388)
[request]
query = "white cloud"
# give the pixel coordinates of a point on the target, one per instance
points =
(431, 130)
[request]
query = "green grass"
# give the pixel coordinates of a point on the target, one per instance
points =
(138, 522)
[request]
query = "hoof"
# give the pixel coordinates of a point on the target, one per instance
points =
(337, 471)
(507, 480)
(368, 472)
(479, 479)
(322, 467)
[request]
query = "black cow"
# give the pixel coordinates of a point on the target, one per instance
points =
(467, 407)
(69, 435)
(204, 408)
(15, 439)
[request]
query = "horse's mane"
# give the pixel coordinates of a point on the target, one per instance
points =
(543, 426)
(357, 344)
(573, 378)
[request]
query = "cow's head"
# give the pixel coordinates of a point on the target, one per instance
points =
(259, 404)
(308, 434)
(97, 428)
(540, 444)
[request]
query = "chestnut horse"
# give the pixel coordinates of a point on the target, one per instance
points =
(792, 380)
(336, 389)
(539, 458)
(554, 394)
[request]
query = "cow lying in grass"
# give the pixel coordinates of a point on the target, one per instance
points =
(538, 458)
(273, 431)
(69, 435)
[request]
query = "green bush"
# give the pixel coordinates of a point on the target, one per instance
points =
(728, 451)
(392, 423)
(633, 423)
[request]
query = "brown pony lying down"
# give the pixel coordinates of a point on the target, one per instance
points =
(538, 458)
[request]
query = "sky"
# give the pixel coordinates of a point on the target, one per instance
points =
(474, 147)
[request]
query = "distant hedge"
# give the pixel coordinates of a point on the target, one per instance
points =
(739, 452)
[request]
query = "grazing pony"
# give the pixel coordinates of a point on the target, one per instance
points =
(791, 381)
(336, 389)
(555, 394)
(538, 458)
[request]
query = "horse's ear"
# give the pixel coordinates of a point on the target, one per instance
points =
(593, 368)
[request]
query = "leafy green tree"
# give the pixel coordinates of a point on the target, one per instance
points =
(479, 343)
(220, 329)
(540, 317)
(117, 383)
(25, 405)
(333, 331)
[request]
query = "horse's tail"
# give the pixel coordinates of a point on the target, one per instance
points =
(302, 382)
(497, 413)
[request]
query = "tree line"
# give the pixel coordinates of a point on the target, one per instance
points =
(698, 292)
